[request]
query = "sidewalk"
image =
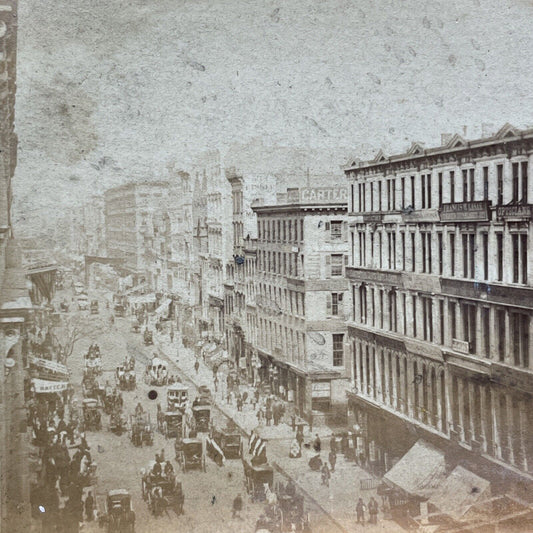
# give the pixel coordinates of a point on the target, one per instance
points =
(339, 499)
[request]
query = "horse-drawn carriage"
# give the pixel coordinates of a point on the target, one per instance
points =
(117, 423)
(90, 386)
(156, 374)
(125, 378)
(190, 454)
(141, 430)
(117, 514)
(177, 396)
(229, 441)
(148, 337)
(92, 419)
(93, 360)
(202, 417)
(112, 400)
(171, 424)
(161, 490)
(256, 477)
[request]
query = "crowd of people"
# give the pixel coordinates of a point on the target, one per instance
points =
(65, 464)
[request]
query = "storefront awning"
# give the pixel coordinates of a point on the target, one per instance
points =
(41, 385)
(163, 308)
(51, 366)
(459, 491)
(419, 472)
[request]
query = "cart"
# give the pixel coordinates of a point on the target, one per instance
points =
(177, 396)
(117, 423)
(162, 491)
(156, 373)
(92, 419)
(172, 424)
(230, 442)
(191, 455)
(255, 479)
(148, 337)
(202, 417)
(141, 430)
(117, 515)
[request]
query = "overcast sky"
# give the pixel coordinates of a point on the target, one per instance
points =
(143, 83)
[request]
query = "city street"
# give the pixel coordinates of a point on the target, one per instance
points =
(209, 495)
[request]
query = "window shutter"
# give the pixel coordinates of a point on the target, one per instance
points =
(328, 266)
(327, 225)
(345, 231)
(328, 304)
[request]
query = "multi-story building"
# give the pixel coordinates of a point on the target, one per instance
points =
(127, 212)
(302, 249)
(93, 227)
(15, 304)
(441, 323)
(244, 191)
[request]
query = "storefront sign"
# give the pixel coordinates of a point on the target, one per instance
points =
(465, 212)
(324, 194)
(460, 346)
(42, 385)
(49, 365)
(522, 212)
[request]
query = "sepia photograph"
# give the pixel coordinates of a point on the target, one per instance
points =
(266, 267)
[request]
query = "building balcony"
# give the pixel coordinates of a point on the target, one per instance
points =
(466, 211)
(490, 292)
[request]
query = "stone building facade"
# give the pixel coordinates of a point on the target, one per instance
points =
(301, 289)
(441, 279)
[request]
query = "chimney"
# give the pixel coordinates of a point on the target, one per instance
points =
(445, 138)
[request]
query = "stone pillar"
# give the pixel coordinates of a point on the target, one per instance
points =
(379, 393)
(510, 427)
(357, 351)
(373, 382)
(484, 414)
(395, 393)
(439, 392)
(494, 334)
(496, 431)
(364, 383)
(386, 372)
(480, 334)
(508, 344)
(410, 387)
(523, 435)
(461, 408)
(470, 423)
(449, 412)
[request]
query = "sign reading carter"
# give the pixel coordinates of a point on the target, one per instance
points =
(324, 194)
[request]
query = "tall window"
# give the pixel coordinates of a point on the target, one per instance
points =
(392, 249)
(413, 252)
(334, 303)
(360, 190)
(393, 316)
(440, 188)
(402, 192)
(336, 230)
(412, 192)
(453, 319)
(439, 251)
(519, 241)
(413, 302)
(452, 186)
(380, 194)
(499, 172)
(402, 243)
(516, 179)
(524, 177)
(426, 252)
(427, 319)
(468, 255)
(363, 304)
(425, 182)
(380, 249)
(336, 264)
(362, 248)
(486, 332)
(372, 196)
(468, 312)
(485, 250)
(501, 331)
(499, 256)
(520, 338)
(338, 349)
(485, 183)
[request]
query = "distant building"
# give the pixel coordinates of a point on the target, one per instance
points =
(129, 209)
(441, 277)
(302, 249)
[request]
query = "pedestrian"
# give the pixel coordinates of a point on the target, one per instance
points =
(300, 436)
(326, 475)
(89, 507)
(239, 403)
(260, 416)
(360, 509)
(332, 460)
(333, 444)
(215, 383)
(373, 510)
(317, 444)
(237, 507)
(228, 397)
(268, 415)
(295, 449)
(196, 366)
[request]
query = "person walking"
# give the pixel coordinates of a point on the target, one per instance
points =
(360, 509)
(196, 366)
(237, 507)
(373, 510)
(326, 475)
(317, 444)
(215, 383)
(89, 507)
(332, 460)
(268, 415)
(333, 444)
